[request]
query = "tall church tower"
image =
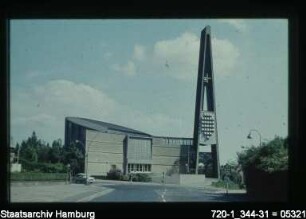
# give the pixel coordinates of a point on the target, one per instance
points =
(205, 123)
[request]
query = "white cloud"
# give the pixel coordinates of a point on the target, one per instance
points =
(238, 24)
(181, 55)
(43, 109)
(73, 98)
(128, 69)
(139, 52)
(225, 57)
(179, 58)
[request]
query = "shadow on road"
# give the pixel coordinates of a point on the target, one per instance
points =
(233, 198)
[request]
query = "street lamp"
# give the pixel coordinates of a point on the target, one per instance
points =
(188, 160)
(86, 159)
(250, 136)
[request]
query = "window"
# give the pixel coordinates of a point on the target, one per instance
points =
(139, 168)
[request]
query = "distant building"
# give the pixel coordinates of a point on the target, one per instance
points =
(14, 165)
(108, 145)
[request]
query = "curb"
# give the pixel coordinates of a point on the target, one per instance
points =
(230, 192)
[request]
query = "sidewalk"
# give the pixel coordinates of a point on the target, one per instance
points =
(223, 190)
(56, 193)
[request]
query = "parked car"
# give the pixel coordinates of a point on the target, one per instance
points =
(81, 178)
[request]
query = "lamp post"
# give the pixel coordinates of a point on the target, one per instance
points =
(86, 159)
(188, 160)
(250, 136)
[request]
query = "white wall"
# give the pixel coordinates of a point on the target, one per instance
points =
(164, 157)
(15, 167)
(104, 150)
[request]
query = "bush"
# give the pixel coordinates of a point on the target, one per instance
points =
(232, 171)
(141, 177)
(114, 174)
(36, 176)
(265, 170)
(43, 167)
(222, 184)
(125, 178)
(269, 157)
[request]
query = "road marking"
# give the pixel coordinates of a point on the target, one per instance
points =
(163, 195)
(91, 197)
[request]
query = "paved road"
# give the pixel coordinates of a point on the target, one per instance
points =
(115, 191)
(53, 192)
(163, 193)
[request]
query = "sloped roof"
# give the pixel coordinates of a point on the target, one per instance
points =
(105, 127)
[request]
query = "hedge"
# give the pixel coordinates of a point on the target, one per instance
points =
(43, 167)
(32, 176)
(222, 184)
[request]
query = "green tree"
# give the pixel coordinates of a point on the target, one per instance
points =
(270, 157)
(269, 163)
(29, 147)
(232, 171)
(28, 152)
(34, 150)
(43, 153)
(206, 159)
(56, 152)
(74, 155)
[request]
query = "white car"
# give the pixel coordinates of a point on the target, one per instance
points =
(81, 178)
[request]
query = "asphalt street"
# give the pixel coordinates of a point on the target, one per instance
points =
(119, 191)
(164, 193)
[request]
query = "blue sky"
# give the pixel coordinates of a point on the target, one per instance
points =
(115, 71)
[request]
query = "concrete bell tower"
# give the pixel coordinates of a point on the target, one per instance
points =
(205, 122)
